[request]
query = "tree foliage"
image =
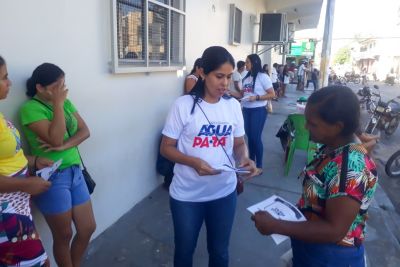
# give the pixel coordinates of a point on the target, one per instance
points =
(342, 56)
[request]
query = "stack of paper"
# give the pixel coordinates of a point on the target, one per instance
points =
(280, 209)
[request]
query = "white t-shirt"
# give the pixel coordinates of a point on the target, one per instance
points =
(243, 73)
(236, 77)
(197, 138)
(263, 83)
(301, 70)
(274, 75)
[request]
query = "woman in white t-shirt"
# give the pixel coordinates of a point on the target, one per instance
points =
(203, 132)
(257, 90)
(193, 76)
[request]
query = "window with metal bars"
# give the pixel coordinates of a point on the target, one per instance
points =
(148, 35)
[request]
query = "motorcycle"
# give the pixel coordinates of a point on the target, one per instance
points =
(351, 77)
(389, 80)
(392, 167)
(386, 117)
(369, 98)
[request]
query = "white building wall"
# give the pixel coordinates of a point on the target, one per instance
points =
(125, 113)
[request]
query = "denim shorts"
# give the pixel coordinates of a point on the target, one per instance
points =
(68, 189)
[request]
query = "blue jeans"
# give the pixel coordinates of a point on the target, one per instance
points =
(254, 120)
(326, 255)
(188, 218)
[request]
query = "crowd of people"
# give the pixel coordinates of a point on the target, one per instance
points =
(204, 134)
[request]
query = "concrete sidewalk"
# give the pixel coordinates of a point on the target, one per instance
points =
(144, 236)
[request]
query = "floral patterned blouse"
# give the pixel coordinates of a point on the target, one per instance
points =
(322, 181)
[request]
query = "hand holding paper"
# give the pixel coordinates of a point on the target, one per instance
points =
(227, 168)
(280, 209)
(46, 173)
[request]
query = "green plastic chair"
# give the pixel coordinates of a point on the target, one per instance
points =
(299, 141)
(312, 150)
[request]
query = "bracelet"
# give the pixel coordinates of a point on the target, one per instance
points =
(258, 97)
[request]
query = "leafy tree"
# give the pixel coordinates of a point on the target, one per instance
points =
(342, 56)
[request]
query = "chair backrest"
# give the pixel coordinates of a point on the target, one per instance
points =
(301, 134)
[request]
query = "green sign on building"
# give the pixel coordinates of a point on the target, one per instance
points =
(302, 49)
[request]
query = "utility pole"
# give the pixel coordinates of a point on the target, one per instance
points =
(327, 41)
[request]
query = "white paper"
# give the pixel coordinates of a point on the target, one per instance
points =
(280, 209)
(227, 168)
(46, 173)
(245, 98)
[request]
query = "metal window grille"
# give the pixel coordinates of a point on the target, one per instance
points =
(148, 35)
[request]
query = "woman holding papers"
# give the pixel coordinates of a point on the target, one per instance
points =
(338, 186)
(54, 129)
(204, 131)
(257, 90)
(20, 244)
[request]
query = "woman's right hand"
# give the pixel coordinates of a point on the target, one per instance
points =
(34, 185)
(59, 94)
(203, 168)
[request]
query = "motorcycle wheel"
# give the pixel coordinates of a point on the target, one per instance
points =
(357, 80)
(394, 123)
(392, 167)
(370, 127)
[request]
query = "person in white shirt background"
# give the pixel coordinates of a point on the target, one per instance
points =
(204, 131)
(257, 90)
(235, 86)
(301, 72)
(275, 80)
(242, 70)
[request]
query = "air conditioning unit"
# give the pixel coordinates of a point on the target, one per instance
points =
(273, 28)
(235, 25)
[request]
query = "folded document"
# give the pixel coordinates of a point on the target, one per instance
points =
(280, 209)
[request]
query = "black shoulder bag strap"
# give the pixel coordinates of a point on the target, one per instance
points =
(230, 161)
(69, 134)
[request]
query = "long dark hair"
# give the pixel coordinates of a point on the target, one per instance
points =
(197, 64)
(337, 104)
(2, 61)
(212, 58)
(255, 67)
(45, 74)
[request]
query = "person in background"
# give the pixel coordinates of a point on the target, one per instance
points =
(315, 78)
(285, 81)
(338, 186)
(204, 131)
(54, 129)
(266, 69)
(301, 74)
(257, 90)
(20, 243)
(235, 85)
(193, 76)
(242, 70)
(275, 79)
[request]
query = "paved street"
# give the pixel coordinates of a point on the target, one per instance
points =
(144, 237)
(387, 145)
